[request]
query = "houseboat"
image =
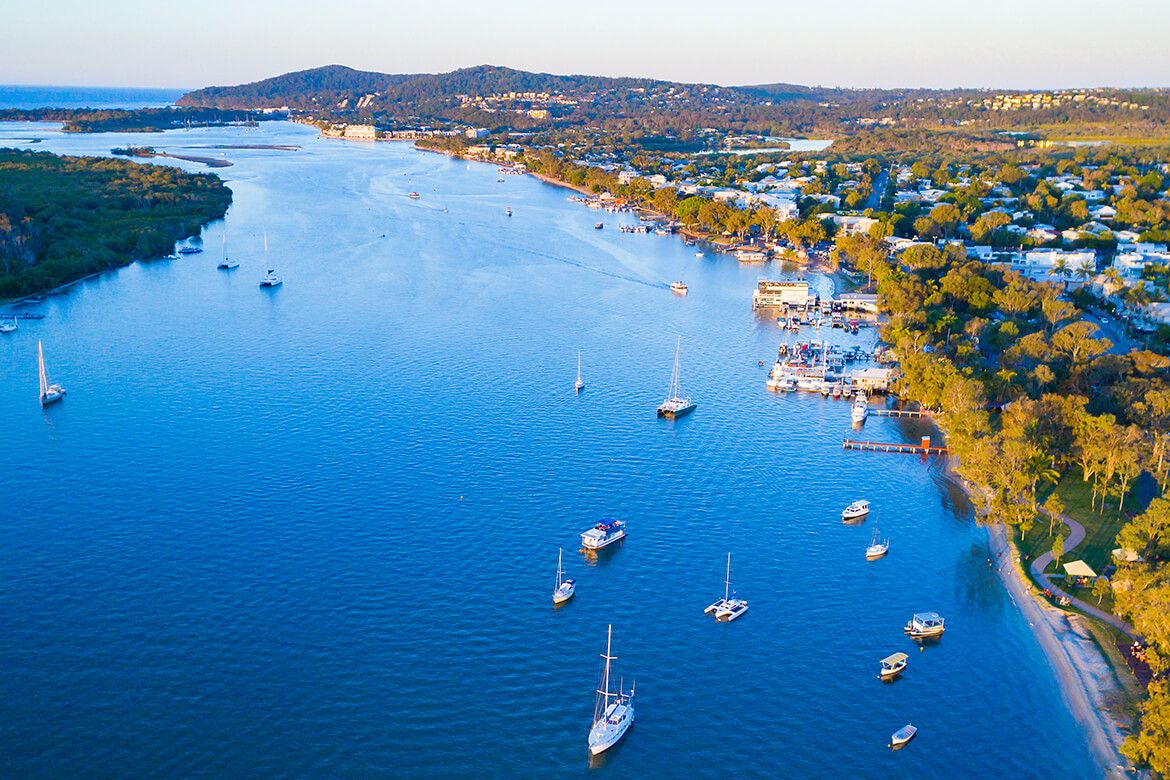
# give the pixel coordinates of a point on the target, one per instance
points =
(603, 534)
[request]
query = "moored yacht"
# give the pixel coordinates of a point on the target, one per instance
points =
(50, 393)
(877, 549)
(8, 327)
(855, 511)
(613, 712)
(270, 279)
(565, 588)
(925, 624)
(860, 408)
(676, 404)
(579, 385)
(603, 534)
(729, 607)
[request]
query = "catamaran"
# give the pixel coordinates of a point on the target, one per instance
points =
(50, 393)
(860, 408)
(603, 535)
(580, 383)
(876, 548)
(855, 511)
(613, 713)
(227, 264)
(270, 279)
(676, 405)
(565, 588)
(8, 327)
(727, 608)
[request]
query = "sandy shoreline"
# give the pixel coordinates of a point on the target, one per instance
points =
(1087, 681)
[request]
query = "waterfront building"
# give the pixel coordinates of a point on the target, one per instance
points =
(776, 293)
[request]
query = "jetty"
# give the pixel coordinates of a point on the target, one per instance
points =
(899, 412)
(922, 448)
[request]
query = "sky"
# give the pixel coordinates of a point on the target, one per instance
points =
(850, 43)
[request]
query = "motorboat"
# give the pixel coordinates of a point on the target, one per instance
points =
(413, 195)
(678, 287)
(50, 393)
(893, 665)
(729, 607)
(613, 712)
(508, 212)
(855, 511)
(860, 408)
(676, 404)
(924, 625)
(877, 549)
(598, 225)
(8, 327)
(190, 250)
(565, 588)
(903, 735)
(603, 534)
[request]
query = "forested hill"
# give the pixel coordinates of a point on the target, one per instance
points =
(504, 99)
(329, 85)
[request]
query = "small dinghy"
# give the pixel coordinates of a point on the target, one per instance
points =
(903, 735)
(893, 665)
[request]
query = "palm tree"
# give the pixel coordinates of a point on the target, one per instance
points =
(1061, 268)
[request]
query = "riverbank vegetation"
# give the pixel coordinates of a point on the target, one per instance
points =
(63, 218)
(143, 120)
(1032, 397)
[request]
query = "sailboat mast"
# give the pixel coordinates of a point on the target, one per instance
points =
(675, 390)
(578, 366)
(560, 552)
(41, 370)
(608, 658)
(727, 581)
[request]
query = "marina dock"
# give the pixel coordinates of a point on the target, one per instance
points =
(923, 448)
(899, 412)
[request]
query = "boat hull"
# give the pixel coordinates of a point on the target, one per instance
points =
(561, 595)
(726, 615)
(52, 397)
(674, 414)
(601, 740)
(592, 544)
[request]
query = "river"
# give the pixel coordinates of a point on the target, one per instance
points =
(313, 530)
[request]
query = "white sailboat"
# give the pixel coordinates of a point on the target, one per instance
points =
(676, 405)
(227, 264)
(270, 279)
(727, 608)
(876, 549)
(50, 393)
(613, 713)
(565, 588)
(580, 384)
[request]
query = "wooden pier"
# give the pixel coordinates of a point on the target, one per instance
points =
(924, 448)
(899, 412)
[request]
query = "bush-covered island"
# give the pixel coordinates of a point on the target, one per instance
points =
(63, 218)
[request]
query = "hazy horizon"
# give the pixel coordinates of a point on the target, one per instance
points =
(999, 45)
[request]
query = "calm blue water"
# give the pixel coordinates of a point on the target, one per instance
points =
(313, 531)
(24, 96)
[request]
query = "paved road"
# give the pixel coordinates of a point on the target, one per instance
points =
(874, 200)
(1111, 329)
(1076, 534)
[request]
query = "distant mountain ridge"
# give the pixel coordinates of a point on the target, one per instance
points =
(329, 84)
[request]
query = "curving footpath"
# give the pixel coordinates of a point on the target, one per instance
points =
(1076, 534)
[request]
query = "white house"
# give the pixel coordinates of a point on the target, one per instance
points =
(784, 205)
(848, 225)
(1041, 264)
